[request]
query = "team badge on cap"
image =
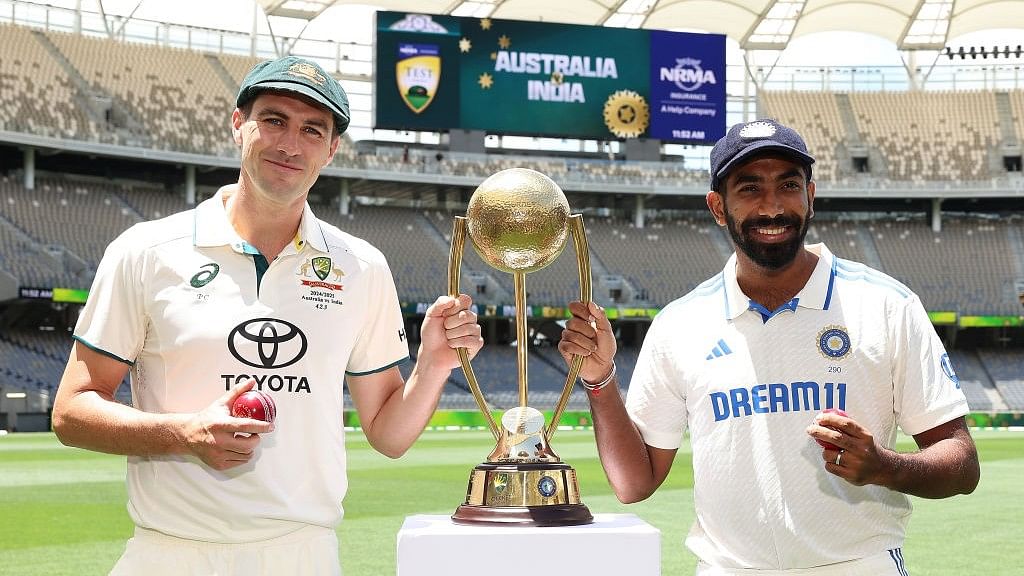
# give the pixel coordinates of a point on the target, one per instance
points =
(834, 342)
(307, 71)
(758, 130)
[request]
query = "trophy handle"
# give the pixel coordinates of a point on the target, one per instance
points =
(579, 240)
(454, 272)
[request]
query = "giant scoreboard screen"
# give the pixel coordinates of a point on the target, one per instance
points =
(542, 79)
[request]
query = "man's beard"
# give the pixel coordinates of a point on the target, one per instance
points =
(770, 256)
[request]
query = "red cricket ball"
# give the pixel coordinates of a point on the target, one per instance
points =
(256, 405)
(829, 445)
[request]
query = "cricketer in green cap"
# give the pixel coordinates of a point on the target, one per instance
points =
(299, 75)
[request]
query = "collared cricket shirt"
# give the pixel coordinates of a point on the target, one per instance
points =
(747, 381)
(195, 310)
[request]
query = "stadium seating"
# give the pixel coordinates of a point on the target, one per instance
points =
(82, 218)
(663, 261)
(962, 268)
(172, 98)
(38, 95)
(941, 136)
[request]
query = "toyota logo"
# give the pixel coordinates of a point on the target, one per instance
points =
(278, 343)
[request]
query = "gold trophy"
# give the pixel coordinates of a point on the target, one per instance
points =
(518, 220)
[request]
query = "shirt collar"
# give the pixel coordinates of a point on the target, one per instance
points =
(816, 293)
(212, 227)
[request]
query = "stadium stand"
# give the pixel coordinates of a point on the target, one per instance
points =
(664, 260)
(925, 136)
(962, 268)
(82, 218)
(171, 98)
(33, 360)
(38, 95)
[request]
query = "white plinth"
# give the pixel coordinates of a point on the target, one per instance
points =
(614, 544)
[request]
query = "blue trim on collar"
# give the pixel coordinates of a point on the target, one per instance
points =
(767, 315)
(831, 282)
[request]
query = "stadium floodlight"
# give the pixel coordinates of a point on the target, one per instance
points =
(974, 51)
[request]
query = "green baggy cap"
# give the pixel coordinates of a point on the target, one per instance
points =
(295, 74)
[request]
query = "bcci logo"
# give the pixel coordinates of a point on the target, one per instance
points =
(546, 486)
(834, 342)
(947, 368)
(418, 74)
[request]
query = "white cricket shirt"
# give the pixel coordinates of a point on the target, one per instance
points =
(747, 382)
(178, 299)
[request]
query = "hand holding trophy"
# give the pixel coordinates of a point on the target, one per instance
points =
(518, 221)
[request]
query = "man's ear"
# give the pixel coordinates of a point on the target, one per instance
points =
(334, 148)
(810, 199)
(236, 126)
(716, 204)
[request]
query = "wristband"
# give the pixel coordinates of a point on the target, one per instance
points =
(595, 387)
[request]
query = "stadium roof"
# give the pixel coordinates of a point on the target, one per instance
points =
(754, 24)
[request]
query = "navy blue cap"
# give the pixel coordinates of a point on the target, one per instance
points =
(757, 137)
(295, 74)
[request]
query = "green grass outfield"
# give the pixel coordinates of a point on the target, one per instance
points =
(62, 510)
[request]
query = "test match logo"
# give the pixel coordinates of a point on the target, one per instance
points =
(418, 74)
(834, 342)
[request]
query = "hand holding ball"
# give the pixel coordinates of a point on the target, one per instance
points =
(256, 405)
(823, 443)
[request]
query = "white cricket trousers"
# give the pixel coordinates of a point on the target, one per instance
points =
(309, 551)
(888, 563)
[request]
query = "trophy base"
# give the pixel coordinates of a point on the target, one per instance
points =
(556, 515)
(524, 494)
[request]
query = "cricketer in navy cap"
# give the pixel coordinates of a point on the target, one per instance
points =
(744, 141)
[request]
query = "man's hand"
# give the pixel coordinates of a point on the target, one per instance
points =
(589, 334)
(448, 324)
(861, 461)
(220, 440)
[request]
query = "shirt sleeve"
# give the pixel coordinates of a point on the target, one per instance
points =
(383, 343)
(926, 389)
(656, 399)
(113, 320)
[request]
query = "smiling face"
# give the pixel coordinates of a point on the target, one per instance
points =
(766, 205)
(286, 140)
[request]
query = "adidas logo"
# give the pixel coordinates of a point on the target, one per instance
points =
(720, 349)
